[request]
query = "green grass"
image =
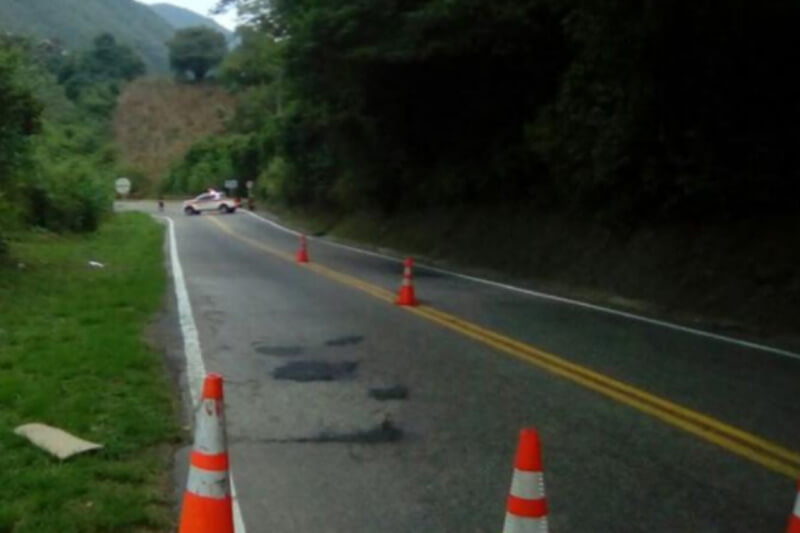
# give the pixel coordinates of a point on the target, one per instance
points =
(73, 355)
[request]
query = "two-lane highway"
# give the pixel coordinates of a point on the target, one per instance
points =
(644, 428)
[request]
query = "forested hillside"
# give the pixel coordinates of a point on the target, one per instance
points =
(634, 108)
(75, 23)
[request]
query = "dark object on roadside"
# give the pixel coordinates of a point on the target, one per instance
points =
(161, 205)
(251, 204)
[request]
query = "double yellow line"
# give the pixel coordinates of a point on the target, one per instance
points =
(747, 445)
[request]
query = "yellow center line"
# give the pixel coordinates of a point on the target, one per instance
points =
(742, 443)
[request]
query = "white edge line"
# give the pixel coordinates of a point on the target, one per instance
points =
(195, 368)
(553, 297)
(271, 223)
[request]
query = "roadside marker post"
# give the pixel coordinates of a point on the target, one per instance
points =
(231, 186)
(250, 200)
(123, 187)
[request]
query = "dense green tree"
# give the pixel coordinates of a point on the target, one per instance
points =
(196, 51)
(19, 115)
(107, 62)
(19, 118)
(55, 163)
(636, 107)
(112, 60)
(258, 61)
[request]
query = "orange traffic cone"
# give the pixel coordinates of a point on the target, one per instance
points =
(794, 520)
(406, 295)
(207, 504)
(526, 509)
(302, 253)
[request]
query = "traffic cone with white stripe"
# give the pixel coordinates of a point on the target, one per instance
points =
(207, 504)
(526, 508)
(794, 520)
(302, 252)
(406, 295)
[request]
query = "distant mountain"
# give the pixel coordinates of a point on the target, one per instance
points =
(180, 18)
(75, 23)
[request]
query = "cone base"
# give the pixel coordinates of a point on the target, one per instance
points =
(302, 257)
(206, 515)
(516, 524)
(407, 297)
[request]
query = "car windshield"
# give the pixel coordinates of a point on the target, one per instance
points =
(209, 196)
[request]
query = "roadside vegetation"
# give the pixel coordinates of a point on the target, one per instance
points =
(56, 162)
(636, 111)
(72, 355)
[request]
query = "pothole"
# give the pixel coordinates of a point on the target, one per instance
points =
(386, 432)
(305, 371)
(280, 351)
(345, 341)
(394, 392)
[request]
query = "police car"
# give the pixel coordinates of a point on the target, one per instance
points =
(211, 200)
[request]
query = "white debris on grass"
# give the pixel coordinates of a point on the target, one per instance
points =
(56, 441)
(95, 264)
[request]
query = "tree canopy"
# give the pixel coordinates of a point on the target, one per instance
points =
(19, 119)
(632, 106)
(197, 51)
(106, 62)
(56, 165)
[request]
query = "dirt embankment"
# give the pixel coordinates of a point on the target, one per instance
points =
(739, 277)
(158, 120)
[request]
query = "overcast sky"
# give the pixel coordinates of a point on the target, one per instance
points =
(200, 6)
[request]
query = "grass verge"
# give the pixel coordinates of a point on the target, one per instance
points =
(72, 354)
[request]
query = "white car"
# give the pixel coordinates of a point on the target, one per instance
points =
(210, 201)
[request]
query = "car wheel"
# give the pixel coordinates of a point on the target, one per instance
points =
(224, 209)
(189, 210)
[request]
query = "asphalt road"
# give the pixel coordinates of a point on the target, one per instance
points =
(644, 428)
